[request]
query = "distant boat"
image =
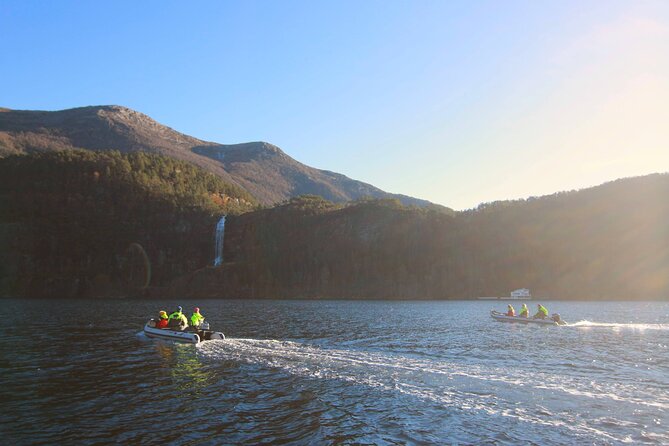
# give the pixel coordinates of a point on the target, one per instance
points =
(553, 320)
(519, 294)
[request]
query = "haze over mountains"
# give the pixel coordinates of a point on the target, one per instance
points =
(263, 169)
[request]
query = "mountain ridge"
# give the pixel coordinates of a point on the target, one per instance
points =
(262, 168)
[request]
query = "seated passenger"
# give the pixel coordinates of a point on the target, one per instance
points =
(196, 319)
(162, 320)
(510, 311)
(524, 312)
(542, 312)
(177, 320)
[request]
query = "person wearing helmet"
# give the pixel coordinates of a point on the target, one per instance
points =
(178, 319)
(524, 311)
(542, 312)
(510, 311)
(162, 320)
(196, 319)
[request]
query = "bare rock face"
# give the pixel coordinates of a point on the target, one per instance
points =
(265, 170)
(97, 128)
(92, 128)
(142, 132)
(261, 168)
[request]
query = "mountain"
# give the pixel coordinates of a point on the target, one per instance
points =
(136, 221)
(261, 168)
(606, 242)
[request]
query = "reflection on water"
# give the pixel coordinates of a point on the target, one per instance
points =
(189, 375)
(336, 373)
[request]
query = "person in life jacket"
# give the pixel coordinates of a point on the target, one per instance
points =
(542, 312)
(524, 312)
(162, 320)
(510, 311)
(196, 319)
(178, 319)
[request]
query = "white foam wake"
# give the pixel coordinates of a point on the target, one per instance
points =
(614, 325)
(491, 390)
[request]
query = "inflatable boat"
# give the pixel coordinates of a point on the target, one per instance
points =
(501, 317)
(192, 336)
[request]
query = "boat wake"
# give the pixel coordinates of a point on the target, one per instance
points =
(589, 324)
(469, 389)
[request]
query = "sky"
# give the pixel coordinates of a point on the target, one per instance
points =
(456, 102)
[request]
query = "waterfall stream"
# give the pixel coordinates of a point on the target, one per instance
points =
(220, 231)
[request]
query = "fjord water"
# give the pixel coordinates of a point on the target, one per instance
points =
(335, 372)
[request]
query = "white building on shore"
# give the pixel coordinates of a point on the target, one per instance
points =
(521, 293)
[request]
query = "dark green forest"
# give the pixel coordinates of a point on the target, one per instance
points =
(99, 224)
(607, 242)
(82, 223)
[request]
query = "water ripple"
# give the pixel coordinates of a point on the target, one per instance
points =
(335, 372)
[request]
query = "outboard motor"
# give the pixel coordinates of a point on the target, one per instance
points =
(204, 326)
(556, 318)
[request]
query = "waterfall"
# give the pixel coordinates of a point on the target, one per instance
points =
(220, 230)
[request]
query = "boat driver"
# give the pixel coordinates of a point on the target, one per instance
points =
(542, 312)
(196, 319)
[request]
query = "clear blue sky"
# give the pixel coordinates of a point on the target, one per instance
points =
(455, 102)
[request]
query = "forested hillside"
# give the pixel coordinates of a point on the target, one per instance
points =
(607, 242)
(80, 223)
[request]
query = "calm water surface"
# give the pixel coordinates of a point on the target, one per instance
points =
(334, 372)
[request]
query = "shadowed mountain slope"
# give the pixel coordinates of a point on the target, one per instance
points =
(82, 223)
(606, 242)
(261, 168)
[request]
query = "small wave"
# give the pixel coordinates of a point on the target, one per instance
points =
(588, 324)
